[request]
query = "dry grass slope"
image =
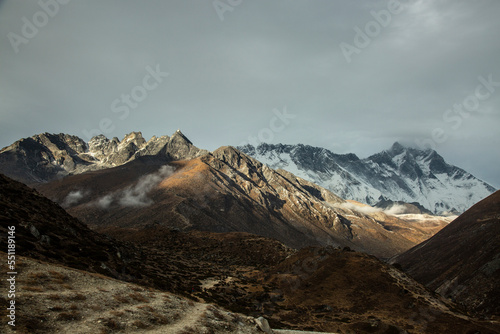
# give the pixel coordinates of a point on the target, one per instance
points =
(56, 299)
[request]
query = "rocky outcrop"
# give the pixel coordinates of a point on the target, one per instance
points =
(46, 157)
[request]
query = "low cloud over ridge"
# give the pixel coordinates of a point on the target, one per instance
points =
(136, 195)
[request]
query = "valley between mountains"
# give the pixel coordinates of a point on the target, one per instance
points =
(304, 238)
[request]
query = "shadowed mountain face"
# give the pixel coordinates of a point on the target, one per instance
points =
(462, 261)
(228, 191)
(45, 231)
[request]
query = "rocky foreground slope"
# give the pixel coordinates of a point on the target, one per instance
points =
(57, 299)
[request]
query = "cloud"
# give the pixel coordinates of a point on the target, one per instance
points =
(74, 197)
(136, 195)
(105, 201)
(396, 209)
(449, 214)
(365, 209)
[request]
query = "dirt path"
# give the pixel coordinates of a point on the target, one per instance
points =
(56, 299)
(192, 316)
(286, 331)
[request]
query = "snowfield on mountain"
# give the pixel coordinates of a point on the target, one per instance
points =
(399, 174)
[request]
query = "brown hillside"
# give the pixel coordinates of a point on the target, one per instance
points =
(341, 291)
(462, 261)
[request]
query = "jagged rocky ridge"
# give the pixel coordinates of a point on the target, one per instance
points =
(398, 174)
(45, 157)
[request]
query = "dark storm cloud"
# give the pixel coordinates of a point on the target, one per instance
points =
(227, 77)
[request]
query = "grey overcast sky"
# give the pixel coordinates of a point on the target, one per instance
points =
(355, 75)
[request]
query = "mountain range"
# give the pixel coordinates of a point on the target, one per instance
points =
(398, 174)
(404, 174)
(167, 181)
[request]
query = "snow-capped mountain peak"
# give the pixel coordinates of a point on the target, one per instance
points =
(399, 174)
